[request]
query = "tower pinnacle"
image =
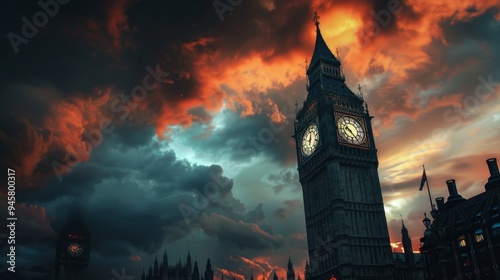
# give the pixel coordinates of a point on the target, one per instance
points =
(409, 257)
(321, 51)
(316, 19)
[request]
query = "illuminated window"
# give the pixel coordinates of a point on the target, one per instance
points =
(461, 242)
(478, 234)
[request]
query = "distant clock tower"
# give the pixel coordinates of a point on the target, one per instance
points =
(73, 251)
(347, 233)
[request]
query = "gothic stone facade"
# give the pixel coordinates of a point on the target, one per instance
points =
(347, 232)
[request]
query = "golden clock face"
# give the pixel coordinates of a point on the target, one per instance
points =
(75, 249)
(310, 140)
(351, 130)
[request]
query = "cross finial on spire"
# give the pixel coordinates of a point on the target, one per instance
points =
(316, 19)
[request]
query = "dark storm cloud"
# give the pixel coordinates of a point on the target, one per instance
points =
(290, 207)
(285, 179)
(120, 189)
(458, 80)
(241, 139)
(244, 235)
(110, 42)
(464, 42)
(280, 213)
(92, 46)
(133, 135)
(266, 133)
(382, 15)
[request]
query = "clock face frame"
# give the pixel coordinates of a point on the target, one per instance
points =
(351, 130)
(75, 249)
(310, 140)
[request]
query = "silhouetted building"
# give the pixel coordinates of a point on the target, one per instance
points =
(179, 271)
(463, 241)
(290, 273)
(307, 270)
(73, 250)
(209, 273)
(406, 266)
(347, 234)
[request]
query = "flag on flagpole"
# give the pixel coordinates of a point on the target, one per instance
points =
(424, 179)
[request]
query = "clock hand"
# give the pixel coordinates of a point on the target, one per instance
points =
(350, 131)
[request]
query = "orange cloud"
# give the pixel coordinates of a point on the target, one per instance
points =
(264, 269)
(70, 118)
(244, 79)
(231, 274)
(57, 136)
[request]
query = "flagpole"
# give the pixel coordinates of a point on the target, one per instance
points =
(428, 189)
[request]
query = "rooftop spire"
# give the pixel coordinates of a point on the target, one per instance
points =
(321, 50)
(404, 231)
(316, 19)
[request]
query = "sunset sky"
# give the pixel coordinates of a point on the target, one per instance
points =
(221, 88)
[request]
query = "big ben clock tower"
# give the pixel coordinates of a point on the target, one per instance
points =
(347, 233)
(73, 251)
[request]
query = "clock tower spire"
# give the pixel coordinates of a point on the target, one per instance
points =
(347, 232)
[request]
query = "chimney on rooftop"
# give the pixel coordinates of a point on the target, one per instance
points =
(454, 197)
(494, 179)
(440, 203)
(452, 187)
